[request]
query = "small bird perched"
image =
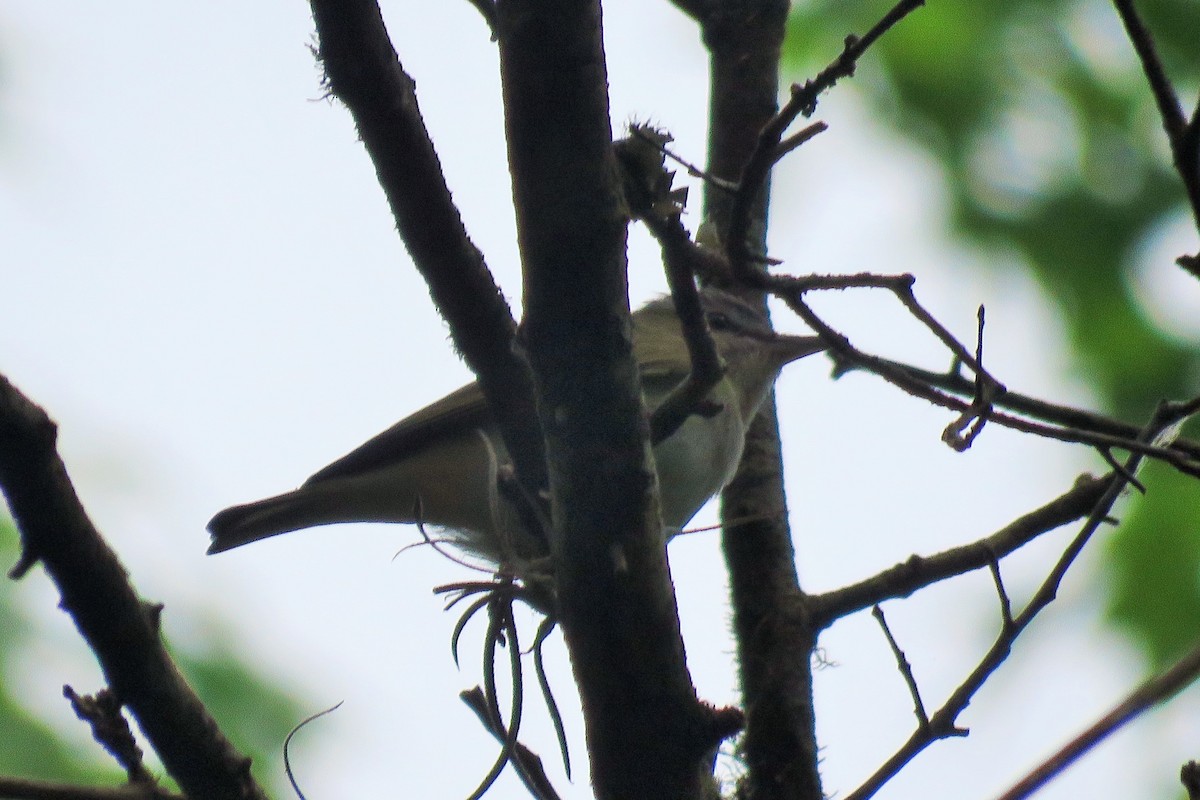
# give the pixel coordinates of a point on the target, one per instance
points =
(442, 465)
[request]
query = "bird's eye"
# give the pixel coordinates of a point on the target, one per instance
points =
(719, 322)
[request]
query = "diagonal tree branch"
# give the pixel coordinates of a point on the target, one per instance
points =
(121, 629)
(918, 572)
(364, 72)
(1157, 689)
(1182, 134)
(942, 723)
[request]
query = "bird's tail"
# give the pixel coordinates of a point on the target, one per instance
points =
(302, 508)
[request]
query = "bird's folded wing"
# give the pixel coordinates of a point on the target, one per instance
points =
(460, 410)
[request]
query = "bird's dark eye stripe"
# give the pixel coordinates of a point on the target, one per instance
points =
(719, 322)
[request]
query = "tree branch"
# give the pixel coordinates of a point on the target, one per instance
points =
(647, 733)
(918, 572)
(1156, 690)
(943, 722)
(774, 649)
(1183, 135)
(755, 168)
(122, 631)
(792, 289)
(363, 71)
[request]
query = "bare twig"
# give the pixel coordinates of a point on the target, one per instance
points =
(942, 723)
(803, 101)
(103, 712)
(906, 671)
(791, 290)
(1169, 106)
(797, 139)
(1154, 691)
(961, 433)
(1006, 617)
(1065, 417)
(918, 572)
(706, 371)
(717, 183)
(541, 787)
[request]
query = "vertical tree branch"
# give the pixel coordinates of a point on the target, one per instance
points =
(774, 648)
(646, 731)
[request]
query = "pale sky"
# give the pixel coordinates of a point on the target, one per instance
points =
(202, 285)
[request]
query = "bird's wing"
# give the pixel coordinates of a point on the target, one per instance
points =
(659, 377)
(462, 409)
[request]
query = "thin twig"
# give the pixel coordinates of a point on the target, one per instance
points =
(1006, 617)
(1164, 94)
(961, 433)
(906, 671)
(1065, 417)
(542, 787)
(797, 139)
(803, 101)
(791, 290)
(692, 169)
(1154, 691)
(942, 723)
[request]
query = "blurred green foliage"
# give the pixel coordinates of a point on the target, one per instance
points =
(1052, 150)
(252, 710)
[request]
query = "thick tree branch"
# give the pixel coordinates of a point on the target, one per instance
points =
(122, 631)
(647, 732)
(364, 72)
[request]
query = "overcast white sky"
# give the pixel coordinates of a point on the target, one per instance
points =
(202, 284)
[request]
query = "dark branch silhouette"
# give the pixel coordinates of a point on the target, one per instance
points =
(121, 629)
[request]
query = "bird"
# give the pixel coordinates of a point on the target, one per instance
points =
(441, 466)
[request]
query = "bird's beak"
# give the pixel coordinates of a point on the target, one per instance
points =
(788, 348)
